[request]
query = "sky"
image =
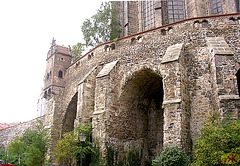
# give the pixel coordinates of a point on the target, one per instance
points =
(27, 28)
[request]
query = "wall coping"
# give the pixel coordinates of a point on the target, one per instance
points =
(163, 26)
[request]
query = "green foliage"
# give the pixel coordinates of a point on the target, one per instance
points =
(218, 137)
(69, 147)
(7, 157)
(31, 146)
(96, 156)
(77, 51)
(16, 146)
(65, 148)
(101, 27)
(133, 158)
(171, 156)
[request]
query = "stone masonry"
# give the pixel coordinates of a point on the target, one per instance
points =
(152, 88)
(149, 89)
(8, 134)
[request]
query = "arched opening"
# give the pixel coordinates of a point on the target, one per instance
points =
(49, 91)
(70, 116)
(60, 74)
(140, 116)
(113, 46)
(238, 81)
(133, 40)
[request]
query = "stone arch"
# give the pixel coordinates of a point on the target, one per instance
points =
(70, 115)
(140, 116)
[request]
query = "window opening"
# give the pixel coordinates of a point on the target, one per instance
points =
(47, 76)
(216, 7)
(175, 10)
(60, 74)
(148, 14)
(113, 46)
(49, 91)
(45, 94)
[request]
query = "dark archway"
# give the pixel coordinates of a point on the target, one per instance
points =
(70, 116)
(140, 119)
(238, 81)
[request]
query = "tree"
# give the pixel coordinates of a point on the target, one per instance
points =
(77, 51)
(65, 148)
(218, 137)
(101, 27)
(69, 147)
(31, 146)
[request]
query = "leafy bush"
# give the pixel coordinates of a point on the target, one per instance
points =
(31, 147)
(171, 156)
(218, 137)
(69, 147)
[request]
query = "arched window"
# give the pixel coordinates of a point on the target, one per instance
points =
(60, 74)
(113, 46)
(45, 94)
(49, 91)
(47, 76)
(238, 81)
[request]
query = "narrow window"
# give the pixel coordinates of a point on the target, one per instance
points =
(45, 94)
(47, 76)
(60, 74)
(49, 91)
(238, 81)
(237, 6)
(148, 14)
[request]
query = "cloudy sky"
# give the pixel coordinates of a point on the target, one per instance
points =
(26, 31)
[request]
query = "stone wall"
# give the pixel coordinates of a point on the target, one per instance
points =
(153, 88)
(150, 89)
(8, 134)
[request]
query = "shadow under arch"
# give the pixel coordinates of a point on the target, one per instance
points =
(70, 115)
(238, 81)
(140, 114)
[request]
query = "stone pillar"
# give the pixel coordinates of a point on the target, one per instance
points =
(86, 97)
(172, 98)
(101, 108)
(225, 69)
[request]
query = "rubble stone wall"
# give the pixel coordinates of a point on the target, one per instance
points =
(153, 88)
(8, 134)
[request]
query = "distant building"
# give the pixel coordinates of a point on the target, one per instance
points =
(41, 105)
(138, 16)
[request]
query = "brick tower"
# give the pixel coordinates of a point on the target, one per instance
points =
(58, 59)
